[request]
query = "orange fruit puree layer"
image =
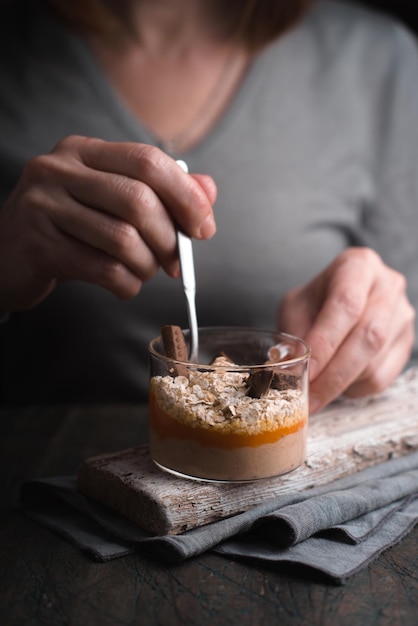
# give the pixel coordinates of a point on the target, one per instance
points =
(166, 426)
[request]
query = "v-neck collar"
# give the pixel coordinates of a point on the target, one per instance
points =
(134, 127)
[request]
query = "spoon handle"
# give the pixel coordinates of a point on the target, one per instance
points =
(185, 250)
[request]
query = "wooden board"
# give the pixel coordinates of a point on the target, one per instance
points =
(346, 437)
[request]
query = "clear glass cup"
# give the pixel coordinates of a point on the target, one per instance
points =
(240, 414)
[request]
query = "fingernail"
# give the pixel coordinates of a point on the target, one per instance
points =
(208, 228)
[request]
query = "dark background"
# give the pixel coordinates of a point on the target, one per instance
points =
(404, 10)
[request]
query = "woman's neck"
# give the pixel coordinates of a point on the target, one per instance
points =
(167, 26)
(177, 77)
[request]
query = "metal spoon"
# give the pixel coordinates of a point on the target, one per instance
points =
(185, 250)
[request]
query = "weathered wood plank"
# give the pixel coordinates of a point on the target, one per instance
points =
(345, 438)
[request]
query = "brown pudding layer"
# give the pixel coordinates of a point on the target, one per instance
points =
(191, 458)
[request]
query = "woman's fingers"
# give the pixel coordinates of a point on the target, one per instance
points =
(387, 364)
(139, 233)
(137, 202)
(367, 343)
(101, 212)
(67, 258)
(325, 311)
(357, 319)
(208, 185)
(110, 235)
(183, 196)
(345, 289)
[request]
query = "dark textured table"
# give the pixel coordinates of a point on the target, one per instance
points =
(47, 581)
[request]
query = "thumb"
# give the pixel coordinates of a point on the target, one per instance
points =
(208, 185)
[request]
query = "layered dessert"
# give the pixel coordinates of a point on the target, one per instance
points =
(227, 423)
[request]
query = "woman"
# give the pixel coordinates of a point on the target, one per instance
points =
(301, 122)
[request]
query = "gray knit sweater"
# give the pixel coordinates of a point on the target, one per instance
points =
(317, 152)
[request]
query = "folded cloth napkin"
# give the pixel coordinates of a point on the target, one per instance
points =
(334, 530)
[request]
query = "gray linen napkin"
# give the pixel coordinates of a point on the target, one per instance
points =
(334, 530)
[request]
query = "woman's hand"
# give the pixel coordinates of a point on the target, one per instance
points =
(99, 212)
(359, 323)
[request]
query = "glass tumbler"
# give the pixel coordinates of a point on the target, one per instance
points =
(239, 414)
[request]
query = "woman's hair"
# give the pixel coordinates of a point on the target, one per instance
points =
(252, 23)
